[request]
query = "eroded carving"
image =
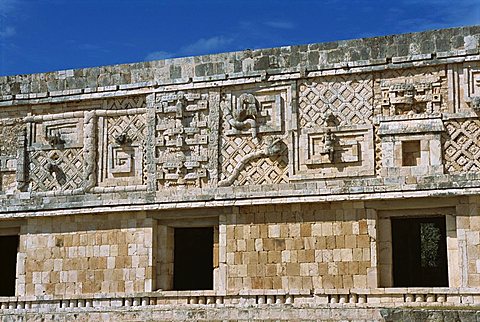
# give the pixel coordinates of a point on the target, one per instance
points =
(411, 98)
(253, 119)
(411, 92)
(89, 155)
(343, 100)
(55, 139)
(271, 147)
(12, 163)
(185, 123)
(475, 103)
(461, 146)
(245, 114)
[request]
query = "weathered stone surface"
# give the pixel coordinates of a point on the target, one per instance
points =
(298, 158)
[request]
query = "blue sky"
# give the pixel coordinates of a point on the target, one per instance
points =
(45, 35)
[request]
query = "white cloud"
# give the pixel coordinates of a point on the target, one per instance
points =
(280, 24)
(7, 32)
(206, 45)
(158, 55)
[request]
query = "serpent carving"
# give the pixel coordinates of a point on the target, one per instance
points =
(270, 149)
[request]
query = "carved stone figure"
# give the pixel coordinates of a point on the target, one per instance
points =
(55, 139)
(244, 115)
(475, 103)
(328, 145)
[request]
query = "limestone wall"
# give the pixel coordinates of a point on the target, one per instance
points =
(309, 246)
(80, 255)
(297, 158)
(468, 224)
(378, 116)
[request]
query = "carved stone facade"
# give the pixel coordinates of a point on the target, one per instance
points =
(298, 177)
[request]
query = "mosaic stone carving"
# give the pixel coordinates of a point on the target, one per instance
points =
(347, 99)
(244, 115)
(254, 113)
(122, 141)
(130, 102)
(251, 151)
(462, 146)
(411, 98)
(269, 149)
(11, 156)
(185, 127)
(335, 152)
(55, 153)
(409, 92)
(56, 169)
(465, 82)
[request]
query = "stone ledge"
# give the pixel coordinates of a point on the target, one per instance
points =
(454, 43)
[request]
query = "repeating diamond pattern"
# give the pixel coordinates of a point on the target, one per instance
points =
(69, 174)
(350, 100)
(261, 171)
(462, 147)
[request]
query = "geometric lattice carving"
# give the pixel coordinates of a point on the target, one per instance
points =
(267, 170)
(254, 154)
(462, 146)
(122, 148)
(56, 169)
(133, 126)
(55, 165)
(349, 99)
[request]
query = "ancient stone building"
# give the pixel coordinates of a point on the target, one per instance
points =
(327, 181)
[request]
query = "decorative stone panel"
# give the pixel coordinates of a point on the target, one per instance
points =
(55, 152)
(464, 86)
(342, 100)
(121, 146)
(186, 139)
(11, 131)
(331, 152)
(462, 145)
(252, 144)
(411, 91)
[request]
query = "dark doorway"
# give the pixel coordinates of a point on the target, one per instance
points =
(419, 252)
(8, 264)
(193, 259)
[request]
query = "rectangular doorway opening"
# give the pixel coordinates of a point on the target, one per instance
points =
(193, 259)
(419, 252)
(8, 266)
